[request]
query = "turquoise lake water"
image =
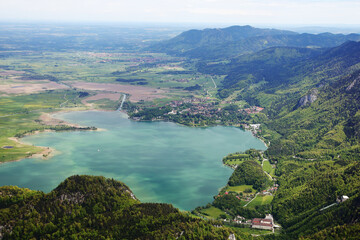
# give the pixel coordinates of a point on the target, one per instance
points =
(159, 161)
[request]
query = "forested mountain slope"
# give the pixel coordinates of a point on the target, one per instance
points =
(236, 40)
(312, 120)
(86, 207)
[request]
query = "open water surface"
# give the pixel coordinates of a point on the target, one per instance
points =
(159, 161)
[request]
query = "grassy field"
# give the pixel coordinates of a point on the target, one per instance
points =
(212, 212)
(19, 115)
(251, 230)
(260, 200)
(268, 168)
(150, 69)
(240, 188)
(233, 161)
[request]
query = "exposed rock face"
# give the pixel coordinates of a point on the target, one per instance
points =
(353, 84)
(232, 237)
(73, 198)
(131, 195)
(308, 99)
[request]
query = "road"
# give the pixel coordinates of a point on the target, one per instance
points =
(251, 199)
(213, 82)
(262, 164)
(122, 102)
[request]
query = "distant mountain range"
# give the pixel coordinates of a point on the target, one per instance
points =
(236, 40)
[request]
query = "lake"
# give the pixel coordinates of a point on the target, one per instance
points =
(159, 161)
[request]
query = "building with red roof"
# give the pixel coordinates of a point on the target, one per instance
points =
(263, 223)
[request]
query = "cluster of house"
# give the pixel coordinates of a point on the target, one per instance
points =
(198, 106)
(253, 109)
(271, 190)
(254, 128)
(187, 100)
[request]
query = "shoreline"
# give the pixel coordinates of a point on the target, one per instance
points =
(45, 154)
(47, 119)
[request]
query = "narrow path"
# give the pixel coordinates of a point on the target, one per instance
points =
(10, 115)
(61, 105)
(268, 175)
(328, 206)
(251, 199)
(213, 82)
(122, 102)
(262, 165)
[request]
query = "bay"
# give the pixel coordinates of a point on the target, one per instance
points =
(159, 161)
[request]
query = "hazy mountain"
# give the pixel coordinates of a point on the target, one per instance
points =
(236, 40)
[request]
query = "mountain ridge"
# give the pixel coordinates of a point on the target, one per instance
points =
(92, 207)
(232, 41)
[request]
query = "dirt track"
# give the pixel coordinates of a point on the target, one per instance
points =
(27, 88)
(111, 96)
(136, 93)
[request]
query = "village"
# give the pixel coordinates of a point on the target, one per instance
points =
(198, 111)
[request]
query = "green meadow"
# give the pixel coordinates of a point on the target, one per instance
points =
(260, 200)
(150, 69)
(241, 188)
(19, 115)
(268, 168)
(212, 212)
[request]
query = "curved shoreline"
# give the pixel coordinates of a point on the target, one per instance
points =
(47, 119)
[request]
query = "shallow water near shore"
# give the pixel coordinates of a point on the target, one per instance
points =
(159, 161)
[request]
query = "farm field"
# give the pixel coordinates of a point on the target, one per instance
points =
(260, 200)
(252, 231)
(212, 212)
(268, 168)
(36, 82)
(18, 69)
(240, 188)
(21, 115)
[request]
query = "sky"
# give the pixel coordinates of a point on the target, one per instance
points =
(265, 12)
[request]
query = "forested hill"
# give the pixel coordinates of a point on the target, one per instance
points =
(310, 98)
(284, 68)
(233, 41)
(87, 207)
(311, 117)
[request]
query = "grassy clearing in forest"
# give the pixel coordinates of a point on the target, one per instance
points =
(261, 200)
(240, 188)
(212, 212)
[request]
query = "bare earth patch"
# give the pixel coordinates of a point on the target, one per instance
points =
(111, 96)
(136, 93)
(27, 88)
(46, 152)
(10, 72)
(47, 119)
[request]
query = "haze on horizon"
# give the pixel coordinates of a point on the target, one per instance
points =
(254, 12)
